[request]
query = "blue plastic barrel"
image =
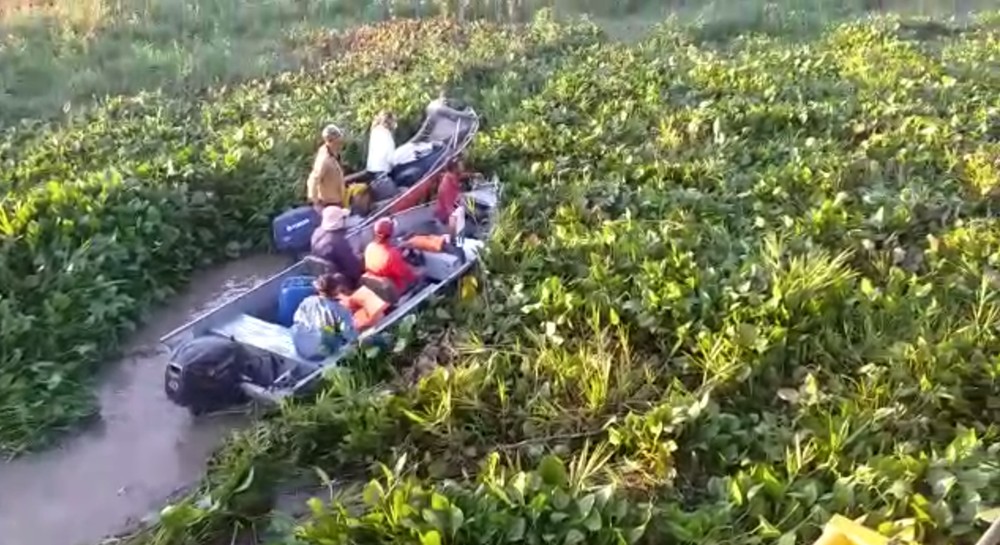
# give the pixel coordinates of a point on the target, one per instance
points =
(293, 229)
(294, 290)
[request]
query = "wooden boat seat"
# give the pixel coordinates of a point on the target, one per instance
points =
(260, 334)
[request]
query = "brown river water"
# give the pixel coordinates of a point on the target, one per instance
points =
(143, 450)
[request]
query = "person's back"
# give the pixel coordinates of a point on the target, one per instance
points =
(384, 260)
(329, 242)
(333, 246)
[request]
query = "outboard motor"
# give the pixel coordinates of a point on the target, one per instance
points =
(205, 373)
(293, 229)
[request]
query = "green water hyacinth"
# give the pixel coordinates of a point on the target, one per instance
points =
(755, 273)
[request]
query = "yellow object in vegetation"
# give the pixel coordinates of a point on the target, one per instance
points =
(843, 531)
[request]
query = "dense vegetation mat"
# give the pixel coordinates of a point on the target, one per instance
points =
(739, 286)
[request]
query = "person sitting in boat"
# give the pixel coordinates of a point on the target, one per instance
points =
(384, 260)
(365, 305)
(325, 186)
(321, 325)
(329, 243)
(442, 105)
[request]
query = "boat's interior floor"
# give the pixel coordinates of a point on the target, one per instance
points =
(263, 333)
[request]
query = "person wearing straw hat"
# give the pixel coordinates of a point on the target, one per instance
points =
(329, 243)
(325, 186)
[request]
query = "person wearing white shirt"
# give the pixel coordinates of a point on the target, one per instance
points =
(382, 144)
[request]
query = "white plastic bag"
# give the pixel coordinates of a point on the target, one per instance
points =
(314, 325)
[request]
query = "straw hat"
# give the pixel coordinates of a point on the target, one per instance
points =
(334, 217)
(331, 132)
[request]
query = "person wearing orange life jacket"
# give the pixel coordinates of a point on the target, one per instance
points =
(365, 305)
(384, 260)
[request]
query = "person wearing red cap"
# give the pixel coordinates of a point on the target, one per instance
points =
(385, 260)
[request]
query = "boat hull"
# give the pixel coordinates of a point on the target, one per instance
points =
(252, 319)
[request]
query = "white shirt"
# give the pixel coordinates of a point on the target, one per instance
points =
(381, 147)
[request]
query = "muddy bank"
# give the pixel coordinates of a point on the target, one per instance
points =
(143, 449)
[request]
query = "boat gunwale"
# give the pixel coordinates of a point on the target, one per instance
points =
(189, 328)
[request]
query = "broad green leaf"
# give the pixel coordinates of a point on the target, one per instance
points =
(432, 537)
(315, 507)
(573, 537)
(373, 493)
(989, 515)
(439, 502)
(635, 534)
(593, 522)
(516, 530)
(560, 499)
(602, 495)
(552, 471)
(585, 504)
(787, 539)
(457, 518)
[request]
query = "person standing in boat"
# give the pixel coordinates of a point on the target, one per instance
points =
(384, 260)
(325, 186)
(329, 243)
(449, 190)
(321, 325)
(381, 144)
(381, 150)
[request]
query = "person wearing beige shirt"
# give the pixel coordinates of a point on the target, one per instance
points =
(325, 186)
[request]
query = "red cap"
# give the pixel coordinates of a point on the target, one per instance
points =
(383, 228)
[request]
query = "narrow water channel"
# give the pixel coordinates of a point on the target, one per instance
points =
(144, 448)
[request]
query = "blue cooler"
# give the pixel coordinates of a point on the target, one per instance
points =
(294, 290)
(293, 230)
